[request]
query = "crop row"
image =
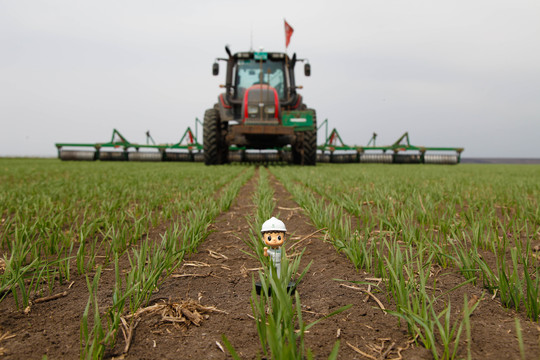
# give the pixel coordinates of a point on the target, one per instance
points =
(277, 311)
(150, 264)
(400, 226)
(80, 218)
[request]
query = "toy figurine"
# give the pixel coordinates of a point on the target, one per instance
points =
(273, 234)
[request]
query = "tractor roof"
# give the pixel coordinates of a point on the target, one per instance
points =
(261, 55)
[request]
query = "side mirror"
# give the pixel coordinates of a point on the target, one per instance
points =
(307, 69)
(215, 69)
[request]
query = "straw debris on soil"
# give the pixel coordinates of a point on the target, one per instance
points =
(5, 336)
(182, 314)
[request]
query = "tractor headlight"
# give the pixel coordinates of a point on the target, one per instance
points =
(270, 109)
(252, 109)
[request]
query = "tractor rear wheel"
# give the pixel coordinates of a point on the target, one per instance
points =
(304, 151)
(310, 147)
(310, 143)
(214, 150)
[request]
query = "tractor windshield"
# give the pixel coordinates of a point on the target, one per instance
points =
(251, 72)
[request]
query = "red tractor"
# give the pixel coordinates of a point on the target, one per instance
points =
(260, 110)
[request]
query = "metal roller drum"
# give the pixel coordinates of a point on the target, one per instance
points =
(235, 156)
(407, 159)
(145, 156)
(254, 157)
(443, 159)
(323, 158)
(286, 156)
(262, 157)
(273, 157)
(376, 158)
(343, 158)
(257, 157)
(199, 157)
(77, 155)
(178, 156)
(112, 156)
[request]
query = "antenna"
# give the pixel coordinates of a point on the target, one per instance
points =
(251, 39)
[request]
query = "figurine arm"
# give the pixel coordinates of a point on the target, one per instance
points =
(265, 251)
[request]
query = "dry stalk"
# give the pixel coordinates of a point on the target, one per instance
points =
(305, 238)
(220, 346)
(195, 264)
(368, 293)
(7, 336)
(387, 351)
(127, 331)
(49, 298)
(191, 275)
(474, 299)
(217, 255)
(289, 209)
(360, 351)
(400, 349)
(369, 290)
(421, 203)
(144, 310)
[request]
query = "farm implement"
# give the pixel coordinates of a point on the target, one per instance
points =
(260, 118)
(400, 152)
(334, 150)
(120, 149)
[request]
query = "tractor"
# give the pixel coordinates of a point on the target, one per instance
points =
(260, 116)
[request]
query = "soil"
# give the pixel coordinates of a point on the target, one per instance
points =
(223, 280)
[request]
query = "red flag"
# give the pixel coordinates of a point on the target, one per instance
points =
(288, 33)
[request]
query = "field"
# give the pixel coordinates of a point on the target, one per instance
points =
(159, 260)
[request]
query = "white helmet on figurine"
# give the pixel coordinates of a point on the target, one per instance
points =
(273, 224)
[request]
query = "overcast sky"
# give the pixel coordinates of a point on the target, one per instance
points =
(453, 73)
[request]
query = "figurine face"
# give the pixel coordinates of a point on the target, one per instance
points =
(274, 239)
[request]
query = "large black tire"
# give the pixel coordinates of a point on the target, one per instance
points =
(310, 147)
(297, 149)
(310, 153)
(304, 151)
(215, 151)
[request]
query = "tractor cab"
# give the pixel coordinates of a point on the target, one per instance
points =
(264, 72)
(251, 72)
(260, 110)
